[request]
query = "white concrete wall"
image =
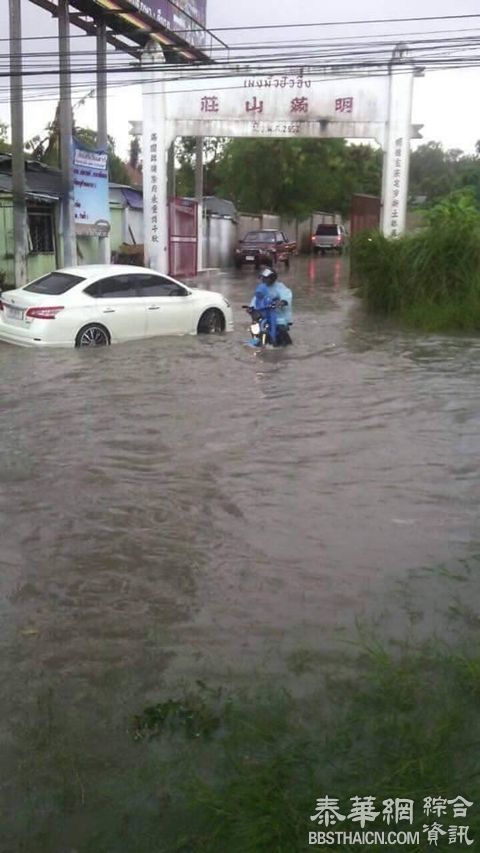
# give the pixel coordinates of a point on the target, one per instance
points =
(269, 220)
(248, 222)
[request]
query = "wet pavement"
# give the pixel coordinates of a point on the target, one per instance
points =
(188, 508)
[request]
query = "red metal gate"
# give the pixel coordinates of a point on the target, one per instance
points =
(182, 236)
(365, 213)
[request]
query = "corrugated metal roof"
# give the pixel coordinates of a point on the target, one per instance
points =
(40, 180)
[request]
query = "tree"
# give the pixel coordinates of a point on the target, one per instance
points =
(296, 176)
(135, 151)
(436, 173)
(4, 146)
(185, 150)
(46, 148)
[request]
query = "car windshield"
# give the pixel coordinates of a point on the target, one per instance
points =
(260, 237)
(54, 283)
(327, 230)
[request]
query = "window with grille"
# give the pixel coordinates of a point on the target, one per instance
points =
(40, 231)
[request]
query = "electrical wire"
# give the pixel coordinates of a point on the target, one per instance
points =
(326, 56)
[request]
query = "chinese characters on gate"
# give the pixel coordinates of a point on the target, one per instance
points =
(255, 105)
(153, 158)
(397, 172)
(436, 814)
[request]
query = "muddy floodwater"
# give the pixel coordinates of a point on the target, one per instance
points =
(187, 508)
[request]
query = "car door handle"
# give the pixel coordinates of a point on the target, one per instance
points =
(154, 307)
(108, 311)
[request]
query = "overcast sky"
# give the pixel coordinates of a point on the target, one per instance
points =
(444, 101)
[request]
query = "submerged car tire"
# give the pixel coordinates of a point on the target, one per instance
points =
(212, 322)
(93, 335)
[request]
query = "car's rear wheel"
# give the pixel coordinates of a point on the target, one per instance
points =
(212, 322)
(93, 335)
(238, 264)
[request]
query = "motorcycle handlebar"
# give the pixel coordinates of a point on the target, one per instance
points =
(275, 304)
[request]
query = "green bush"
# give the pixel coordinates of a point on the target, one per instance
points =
(430, 279)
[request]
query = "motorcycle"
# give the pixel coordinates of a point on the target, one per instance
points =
(261, 327)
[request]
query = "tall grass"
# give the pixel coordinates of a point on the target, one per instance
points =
(211, 771)
(406, 727)
(431, 279)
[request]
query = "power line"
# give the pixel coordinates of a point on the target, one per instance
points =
(329, 44)
(316, 50)
(336, 73)
(320, 57)
(361, 22)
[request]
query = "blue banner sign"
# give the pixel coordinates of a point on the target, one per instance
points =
(90, 179)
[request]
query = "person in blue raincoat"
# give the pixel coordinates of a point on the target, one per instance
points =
(263, 302)
(268, 291)
(284, 312)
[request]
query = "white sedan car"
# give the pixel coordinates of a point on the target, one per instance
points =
(103, 304)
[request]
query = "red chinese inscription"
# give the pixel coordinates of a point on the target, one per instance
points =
(343, 105)
(209, 104)
(254, 106)
(299, 105)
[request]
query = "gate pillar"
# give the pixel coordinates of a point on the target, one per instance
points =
(156, 142)
(396, 155)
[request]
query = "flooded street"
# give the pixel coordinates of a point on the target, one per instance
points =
(196, 498)
(187, 508)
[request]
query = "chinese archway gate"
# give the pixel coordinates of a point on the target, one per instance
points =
(291, 105)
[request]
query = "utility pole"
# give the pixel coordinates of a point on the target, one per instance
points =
(66, 129)
(102, 135)
(18, 157)
(199, 198)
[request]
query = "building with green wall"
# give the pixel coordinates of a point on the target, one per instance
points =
(43, 190)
